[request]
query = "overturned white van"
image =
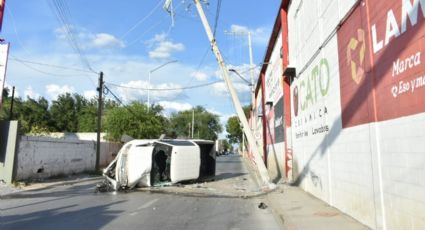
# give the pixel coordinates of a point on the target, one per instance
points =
(143, 163)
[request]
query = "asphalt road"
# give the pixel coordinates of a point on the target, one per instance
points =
(77, 206)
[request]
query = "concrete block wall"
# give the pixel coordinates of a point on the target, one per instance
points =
(44, 157)
(373, 170)
(8, 138)
(403, 171)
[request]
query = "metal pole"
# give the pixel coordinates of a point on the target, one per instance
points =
(250, 137)
(193, 121)
(99, 119)
(251, 66)
(149, 88)
(11, 104)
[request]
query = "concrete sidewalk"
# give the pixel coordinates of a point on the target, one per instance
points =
(297, 209)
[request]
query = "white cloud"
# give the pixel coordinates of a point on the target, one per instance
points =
(89, 94)
(103, 40)
(171, 105)
(200, 76)
(88, 39)
(29, 92)
(259, 35)
(163, 47)
(53, 91)
(220, 89)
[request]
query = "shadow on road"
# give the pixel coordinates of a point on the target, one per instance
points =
(67, 217)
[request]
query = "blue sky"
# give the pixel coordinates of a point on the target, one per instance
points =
(126, 39)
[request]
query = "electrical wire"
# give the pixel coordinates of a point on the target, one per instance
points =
(164, 89)
(15, 29)
(62, 12)
(112, 93)
(141, 20)
(48, 65)
(27, 64)
(217, 16)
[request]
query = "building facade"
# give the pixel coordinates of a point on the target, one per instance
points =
(341, 100)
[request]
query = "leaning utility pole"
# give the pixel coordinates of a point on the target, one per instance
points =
(250, 137)
(99, 119)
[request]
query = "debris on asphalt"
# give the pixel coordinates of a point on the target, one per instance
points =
(104, 186)
(262, 206)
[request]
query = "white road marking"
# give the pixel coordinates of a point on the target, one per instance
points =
(148, 204)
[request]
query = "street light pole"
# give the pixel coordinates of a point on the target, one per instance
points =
(150, 74)
(193, 121)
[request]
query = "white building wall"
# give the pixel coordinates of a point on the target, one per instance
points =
(403, 171)
(373, 172)
(275, 119)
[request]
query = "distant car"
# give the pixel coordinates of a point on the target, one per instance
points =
(144, 163)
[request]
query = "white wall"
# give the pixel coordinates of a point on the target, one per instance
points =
(274, 93)
(374, 171)
(43, 157)
(309, 24)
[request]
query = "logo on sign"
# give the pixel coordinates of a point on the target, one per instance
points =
(357, 71)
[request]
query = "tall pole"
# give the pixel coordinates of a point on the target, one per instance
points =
(193, 121)
(149, 89)
(250, 137)
(99, 119)
(11, 104)
(251, 67)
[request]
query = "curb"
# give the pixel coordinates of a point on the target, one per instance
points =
(48, 185)
(193, 192)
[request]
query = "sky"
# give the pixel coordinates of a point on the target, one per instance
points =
(59, 46)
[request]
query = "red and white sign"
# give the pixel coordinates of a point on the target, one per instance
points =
(382, 53)
(4, 52)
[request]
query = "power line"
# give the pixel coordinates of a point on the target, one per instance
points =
(200, 64)
(63, 15)
(141, 20)
(115, 96)
(164, 89)
(27, 64)
(217, 15)
(15, 29)
(49, 65)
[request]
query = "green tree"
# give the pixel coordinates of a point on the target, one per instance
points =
(33, 114)
(64, 113)
(136, 121)
(5, 106)
(87, 116)
(206, 125)
(226, 145)
(233, 127)
(234, 131)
